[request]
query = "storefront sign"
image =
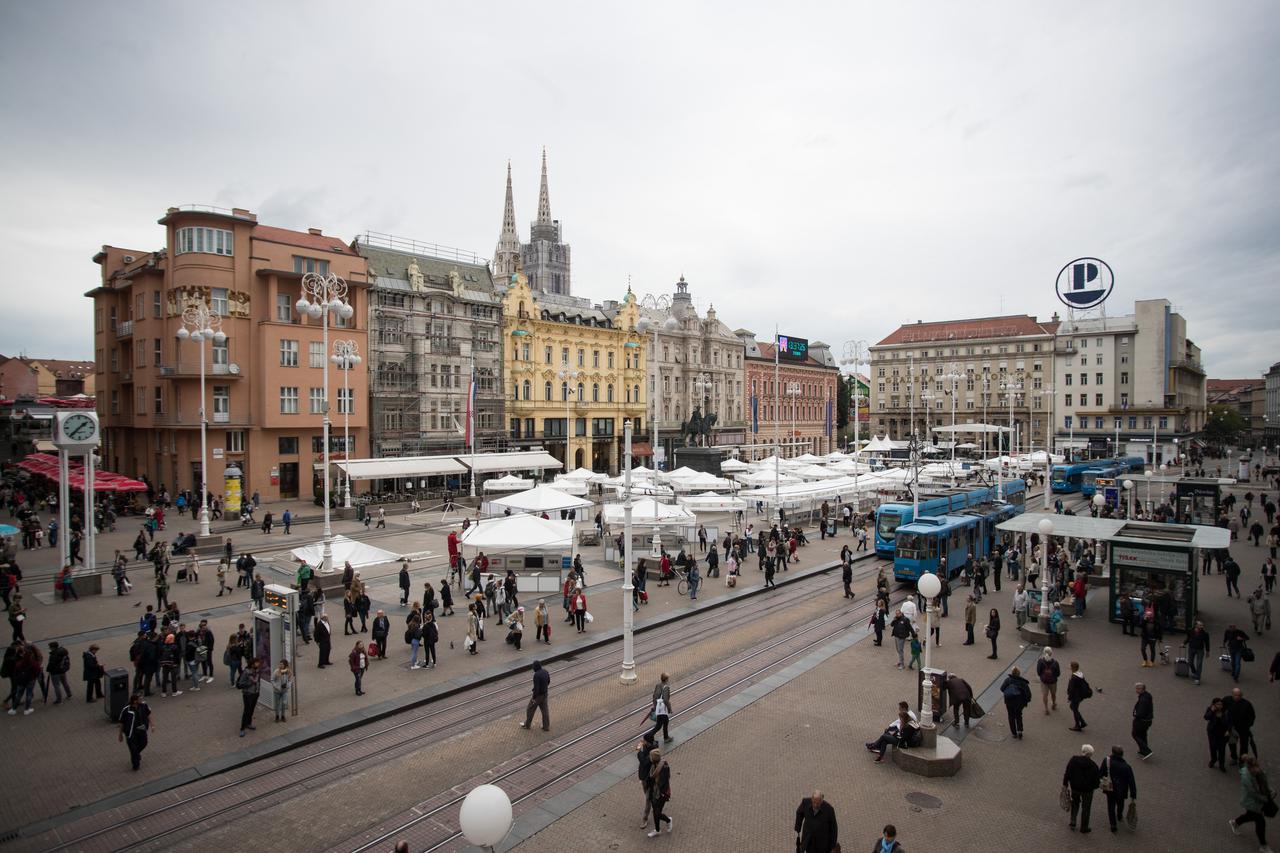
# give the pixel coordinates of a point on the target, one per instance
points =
(1149, 558)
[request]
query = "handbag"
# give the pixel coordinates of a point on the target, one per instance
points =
(1105, 784)
(1247, 655)
(1269, 808)
(1064, 798)
(1131, 815)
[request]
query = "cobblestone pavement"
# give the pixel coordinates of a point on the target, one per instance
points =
(196, 730)
(736, 787)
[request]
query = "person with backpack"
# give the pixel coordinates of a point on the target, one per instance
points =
(1048, 672)
(1017, 696)
(58, 667)
(1078, 690)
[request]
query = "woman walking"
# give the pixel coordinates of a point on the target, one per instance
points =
(413, 634)
(359, 663)
(659, 791)
(578, 609)
(1255, 794)
(660, 708)
(281, 680)
(993, 632)
(1218, 729)
(473, 628)
(430, 636)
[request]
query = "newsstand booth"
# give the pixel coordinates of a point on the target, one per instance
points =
(1158, 562)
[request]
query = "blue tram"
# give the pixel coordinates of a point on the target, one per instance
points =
(946, 502)
(1068, 479)
(1089, 481)
(922, 544)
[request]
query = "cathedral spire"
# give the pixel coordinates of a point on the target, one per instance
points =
(544, 198)
(506, 255)
(509, 211)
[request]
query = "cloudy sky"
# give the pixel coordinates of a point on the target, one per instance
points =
(835, 168)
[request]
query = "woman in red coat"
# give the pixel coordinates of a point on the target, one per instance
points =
(578, 609)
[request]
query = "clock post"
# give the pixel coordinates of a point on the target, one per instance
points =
(76, 433)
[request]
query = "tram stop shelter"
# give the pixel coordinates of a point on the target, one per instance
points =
(1147, 560)
(1195, 500)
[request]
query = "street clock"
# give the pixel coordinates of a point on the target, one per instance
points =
(76, 430)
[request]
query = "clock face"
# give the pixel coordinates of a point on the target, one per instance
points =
(79, 428)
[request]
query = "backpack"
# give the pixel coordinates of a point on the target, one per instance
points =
(1088, 691)
(59, 662)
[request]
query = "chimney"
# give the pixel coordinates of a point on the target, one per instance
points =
(314, 232)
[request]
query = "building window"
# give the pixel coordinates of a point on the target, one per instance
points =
(115, 402)
(581, 389)
(525, 352)
(546, 391)
(315, 353)
(316, 398)
(1097, 379)
(346, 401)
(218, 303)
(610, 359)
(1084, 343)
(595, 358)
(1084, 379)
(159, 400)
(289, 400)
(1066, 421)
(287, 445)
(1097, 399)
(1097, 423)
(1124, 400)
(1164, 422)
(288, 353)
(235, 441)
(1066, 400)
(528, 390)
(595, 392)
(1124, 377)
(157, 302)
(635, 394)
(546, 354)
(582, 358)
(609, 394)
(1133, 422)
(1146, 422)
(221, 402)
(306, 265)
(284, 308)
(1068, 378)
(210, 241)
(221, 352)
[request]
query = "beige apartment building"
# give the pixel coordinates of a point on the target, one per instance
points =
(265, 399)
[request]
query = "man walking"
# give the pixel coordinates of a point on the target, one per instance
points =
(324, 639)
(249, 687)
(1197, 648)
(970, 619)
(1081, 778)
(1122, 787)
(900, 629)
(541, 683)
(1143, 714)
(135, 722)
(1078, 690)
(816, 827)
(1241, 713)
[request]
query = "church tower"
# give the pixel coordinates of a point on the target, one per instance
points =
(506, 257)
(546, 259)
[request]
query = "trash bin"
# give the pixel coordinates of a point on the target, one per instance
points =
(116, 695)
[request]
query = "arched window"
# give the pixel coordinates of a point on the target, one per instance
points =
(595, 392)
(515, 390)
(627, 393)
(528, 390)
(564, 392)
(635, 395)
(609, 393)
(581, 391)
(546, 390)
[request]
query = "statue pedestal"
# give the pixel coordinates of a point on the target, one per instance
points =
(706, 459)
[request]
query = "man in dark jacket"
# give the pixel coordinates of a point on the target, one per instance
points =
(1081, 776)
(1017, 696)
(1143, 714)
(1123, 785)
(92, 674)
(1078, 690)
(1242, 715)
(404, 583)
(816, 828)
(900, 629)
(541, 684)
(960, 694)
(1198, 643)
(381, 631)
(324, 639)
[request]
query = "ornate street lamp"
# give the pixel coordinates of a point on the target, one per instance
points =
(346, 355)
(199, 324)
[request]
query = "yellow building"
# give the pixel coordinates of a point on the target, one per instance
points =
(571, 369)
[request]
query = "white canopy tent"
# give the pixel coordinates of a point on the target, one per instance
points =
(584, 474)
(643, 487)
(762, 478)
(509, 483)
(570, 486)
(345, 551)
(807, 459)
(837, 456)
(649, 513)
(542, 499)
(517, 532)
(704, 482)
(769, 462)
(519, 460)
(815, 472)
(733, 465)
(850, 467)
(683, 471)
(712, 502)
(877, 445)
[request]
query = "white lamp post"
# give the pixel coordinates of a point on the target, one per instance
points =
(954, 376)
(323, 295)
(485, 817)
(793, 393)
(645, 324)
(568, 377)
(1128, 487)
(1045, 526)
(1011, 391)
(346, 355)
(628, 589)
(928, 586)
(199, 324)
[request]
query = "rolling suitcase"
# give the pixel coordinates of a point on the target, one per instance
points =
(1225, 660)
(1181, 666)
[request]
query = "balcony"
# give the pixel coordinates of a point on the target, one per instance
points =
(192, 371)
(124, 329)
(1187, 364)
(221, 418)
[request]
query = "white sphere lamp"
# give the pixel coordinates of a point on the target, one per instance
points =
(929, 586)
(485, 816)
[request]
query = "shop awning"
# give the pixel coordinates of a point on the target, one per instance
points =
(521, 460)
(399, 466)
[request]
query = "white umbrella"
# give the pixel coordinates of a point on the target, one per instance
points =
(509, 483)
(542, 499)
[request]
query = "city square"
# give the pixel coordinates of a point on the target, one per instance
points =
(951, 549)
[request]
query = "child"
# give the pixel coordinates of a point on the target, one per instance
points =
(915, 651)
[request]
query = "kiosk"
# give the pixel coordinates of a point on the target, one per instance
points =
(274, 639)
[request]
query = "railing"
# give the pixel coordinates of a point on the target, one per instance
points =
(414, 247)
(124, 329)
(1188, 364)
(222, 417)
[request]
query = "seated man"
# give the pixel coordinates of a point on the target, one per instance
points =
(903, 732)
(1055, 620)
(184, 543)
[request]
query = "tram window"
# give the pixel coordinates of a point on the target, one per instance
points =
(887, 523)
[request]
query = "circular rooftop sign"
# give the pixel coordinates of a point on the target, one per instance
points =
(1085, 283)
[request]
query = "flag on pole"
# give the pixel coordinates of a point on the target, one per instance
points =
(471, 405)
(755, 414)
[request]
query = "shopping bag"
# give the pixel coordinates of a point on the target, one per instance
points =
(1131, 815)
(588, 617)
(1064, 798)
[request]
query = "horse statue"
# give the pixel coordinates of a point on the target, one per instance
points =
(696, 432)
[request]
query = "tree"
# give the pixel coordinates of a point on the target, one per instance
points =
(843, 401)
(1223, 425)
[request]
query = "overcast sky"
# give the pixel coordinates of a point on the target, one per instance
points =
(836, 168)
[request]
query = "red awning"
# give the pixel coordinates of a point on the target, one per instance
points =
(641, 448)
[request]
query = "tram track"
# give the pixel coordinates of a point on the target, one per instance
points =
(318, 767)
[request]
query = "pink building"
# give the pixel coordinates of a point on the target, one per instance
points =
(264, 386)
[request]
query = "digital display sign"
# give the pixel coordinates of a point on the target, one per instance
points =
(793, 348)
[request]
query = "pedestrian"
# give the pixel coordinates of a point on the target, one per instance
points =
(901, 630)
(170, 659)
(1242, 715)
(1197, 647)
(381, 633)
(233, 657)
(58, 666)
(1236, 642)
(162, 591)
(430, 637)
(1081, 778)
(382, 518)
(473, 629)
(404, 583)
(1143, 714)
(916, 648)
(660, 708)
(515, 628)
(324, 639)
(249, 685)
(135, 723)
(1259, 609)
(358, 660)
(993, 632)
(960, 697)
(1017, 696)
(578, 609)
(888, 841)
(542, 622)
(846, 577)
(1078, 690)
(878, 622)
(1151, 634)
(659, 791)
(446, 598)
(287, 519)
(1218, 730)
(816, 827)
(970, 619)
(1118, 784)
(93, 672)
(281, 680)
(1232, 570)
(538, 701)
(1048, 671)
(1257, 800)
(643, 750)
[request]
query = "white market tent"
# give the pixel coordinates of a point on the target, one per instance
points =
(763, 478)
(769, 462)
(732, 465)
(399, 467)
(345, 551)
(542, 499)
(518, 460)
(837, 456)
(683, 471)
(644, 487)
(509, 483)
(878, 445)
(970, 428)
(703, 482)
(583, 474)
(711, 502)
(517, 532)
(850, 467)
(815, 472)
(808, 459)
(650, 513)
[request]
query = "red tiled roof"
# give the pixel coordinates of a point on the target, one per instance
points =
(1212, 385)
(64, 369)
(304, 239)
(1014, 325)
